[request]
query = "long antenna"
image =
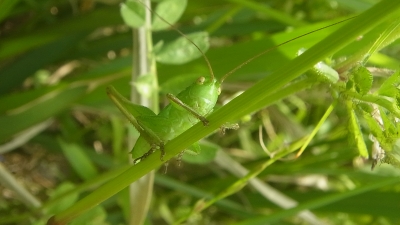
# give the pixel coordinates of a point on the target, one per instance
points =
(276, 46)
(185, 36)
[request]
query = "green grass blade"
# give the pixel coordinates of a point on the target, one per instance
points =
(321, 202)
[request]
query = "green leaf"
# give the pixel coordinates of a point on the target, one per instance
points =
(144, 85)
(362, 80)
(206, 155)
(373, 125)
(391, 159)
(170, 11)
(388, 123)
(175, 84)
(25, 65)
(355, 131)
(322, 71)
(182, 50)
(397, 99)
(133, 13)
(81, 162)
(326, 72)
(194, 149)
(5, 7)
(39, 109)
(62, 203)
(365, 107)
(95, 216)
(390, 86)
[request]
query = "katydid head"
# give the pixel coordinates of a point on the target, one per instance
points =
(212, 84)
(202, 95)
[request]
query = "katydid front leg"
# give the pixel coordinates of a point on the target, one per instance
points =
(179, 103)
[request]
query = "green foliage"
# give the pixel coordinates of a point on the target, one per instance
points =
(62, 203)
(203, 154)
(81, 163)
(390, 87)
(391, 159)
(323, 72)
(133, 13)
(356, 133)
(181, 50)
(57, 57)
(362, 80)
(169, 10)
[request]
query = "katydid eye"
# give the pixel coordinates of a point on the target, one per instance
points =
(200, 80)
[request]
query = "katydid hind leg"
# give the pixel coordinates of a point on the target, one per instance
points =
(143, 149)
(126, 106)
(153, 148)
(135, 114)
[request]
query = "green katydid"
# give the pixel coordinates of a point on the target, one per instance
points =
(186, 109)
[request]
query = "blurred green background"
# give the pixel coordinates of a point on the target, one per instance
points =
(61, 135)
